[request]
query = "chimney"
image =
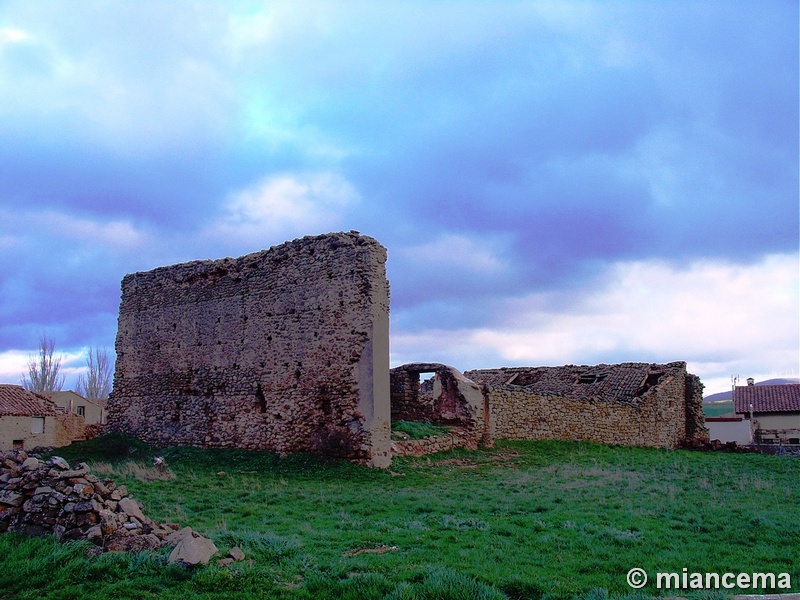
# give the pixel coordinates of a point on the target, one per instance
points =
(751, 381)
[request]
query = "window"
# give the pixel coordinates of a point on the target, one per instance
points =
(81, 411)
(18, 444)
(37, 424)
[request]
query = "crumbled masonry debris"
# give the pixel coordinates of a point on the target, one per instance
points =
(40, 497)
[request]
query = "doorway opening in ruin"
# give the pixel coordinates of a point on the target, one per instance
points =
(432, 401)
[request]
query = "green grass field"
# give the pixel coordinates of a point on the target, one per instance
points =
(522, 520)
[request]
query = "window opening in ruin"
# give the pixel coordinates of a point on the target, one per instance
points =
(261, 400)
(419, 399)
(592, 377)
(521, 378)
(649, 381)
(17, 444)
(81, 411)
(425, 387)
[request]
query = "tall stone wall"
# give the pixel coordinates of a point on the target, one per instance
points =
(285, 349)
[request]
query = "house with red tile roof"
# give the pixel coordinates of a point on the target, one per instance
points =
(774, 411)
(93, 410)
(28, 419)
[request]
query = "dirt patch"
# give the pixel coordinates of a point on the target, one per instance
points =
(506, 457)
(456, 462)
(375, 550)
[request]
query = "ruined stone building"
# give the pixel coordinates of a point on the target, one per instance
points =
(287, 350)
(635, 404)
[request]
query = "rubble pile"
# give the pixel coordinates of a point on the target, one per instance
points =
(40, 497)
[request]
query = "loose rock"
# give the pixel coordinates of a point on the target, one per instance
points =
(193, 550)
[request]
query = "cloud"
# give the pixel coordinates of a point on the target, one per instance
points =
(720, 317)
(60, 272)
(114, 235)
(454, 251)
(502, 152)
(14, 363)
(285, 205)
(71, 234)
(9, 35)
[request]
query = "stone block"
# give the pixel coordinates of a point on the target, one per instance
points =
(192, 551)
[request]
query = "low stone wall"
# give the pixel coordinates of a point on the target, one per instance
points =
(434, 443)
(69, 428)
(48, 497)
(93, 431)
(634, 404)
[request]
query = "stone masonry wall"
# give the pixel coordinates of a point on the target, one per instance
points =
(524, 414)
(450, 398)
(285, 349)
(68, 429)
(458, 438)
(656, 417)
(695, 417)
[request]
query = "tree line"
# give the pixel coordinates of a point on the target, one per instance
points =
(44, 372)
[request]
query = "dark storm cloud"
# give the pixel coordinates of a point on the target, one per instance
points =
(501, 152)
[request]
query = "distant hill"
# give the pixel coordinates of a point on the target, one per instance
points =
(728, 395)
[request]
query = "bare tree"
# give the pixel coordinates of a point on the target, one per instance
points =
(43, 370)
(97, 381)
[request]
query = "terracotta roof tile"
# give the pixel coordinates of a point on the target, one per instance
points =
(625, 382)
(767, 398)
(16, 401)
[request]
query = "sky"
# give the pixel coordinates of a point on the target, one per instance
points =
(556, 182)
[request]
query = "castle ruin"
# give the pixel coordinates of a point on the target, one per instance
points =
(287, 350)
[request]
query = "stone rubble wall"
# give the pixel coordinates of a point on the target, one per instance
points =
(666, 415)
(49, 497)
(518, 413)
(285, 349)
(435, 443)
(696, 429)
(452, 398)
(407, 403)
(69, 428)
